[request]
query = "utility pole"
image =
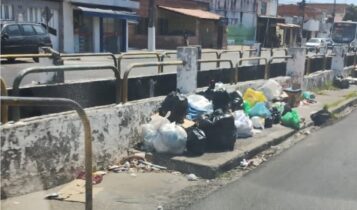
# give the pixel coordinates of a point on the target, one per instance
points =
(334, 11)
(302, 5)
(151, 27)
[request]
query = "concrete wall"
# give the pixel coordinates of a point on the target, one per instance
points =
(43, 152)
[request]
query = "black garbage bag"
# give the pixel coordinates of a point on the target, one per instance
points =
(177, 104)
(341, 82)
(275, 115)
(321, 117)
(236, 101)
(221, 100)
(196, 141)
(287, 109)
(220, 131)
(268, 122)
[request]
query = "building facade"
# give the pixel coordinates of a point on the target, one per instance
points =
(242, 16)
(178, 21)
(317, 17)
(81, 25)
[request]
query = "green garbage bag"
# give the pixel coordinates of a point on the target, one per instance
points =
(246, 107)
(291, 119)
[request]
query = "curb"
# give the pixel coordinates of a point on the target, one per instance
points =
(212, 171)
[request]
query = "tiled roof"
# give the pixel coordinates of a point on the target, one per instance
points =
(197, 13)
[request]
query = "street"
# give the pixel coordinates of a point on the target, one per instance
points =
(317, 173)
(10, 70)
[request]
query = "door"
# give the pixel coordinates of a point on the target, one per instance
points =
(31, 41)
(112, 35)
(11, 39)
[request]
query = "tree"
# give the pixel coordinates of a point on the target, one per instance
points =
(351, 13)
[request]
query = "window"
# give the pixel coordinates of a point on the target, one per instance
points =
(28, 30)
(263, 10)
(13, 30)
(6, 12)
(39, 29)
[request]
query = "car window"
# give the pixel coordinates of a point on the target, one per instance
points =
(28, 30)
(12, 30)
(39, 29)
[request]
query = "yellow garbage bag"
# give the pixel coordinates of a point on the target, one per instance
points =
(253, 96)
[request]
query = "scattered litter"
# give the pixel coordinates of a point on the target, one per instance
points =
(244, 163)
(271, 89)
(192, 177)
(160, 208)
(307, 132)
(133, 174)
(51, 196)
(256, 161)
(16, 202)
(96, 178)
(176, 173)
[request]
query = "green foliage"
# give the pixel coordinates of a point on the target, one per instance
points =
(351, 13)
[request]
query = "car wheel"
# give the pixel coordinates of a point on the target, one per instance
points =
(11, 60)
(35, 59)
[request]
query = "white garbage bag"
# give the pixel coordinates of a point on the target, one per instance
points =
(199, 102)
(258, 122)
(243, 124)
(172, 139)
(150, 131)
(271, 89)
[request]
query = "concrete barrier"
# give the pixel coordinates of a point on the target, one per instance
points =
(43, 152)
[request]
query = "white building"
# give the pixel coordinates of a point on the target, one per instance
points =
(97, 25)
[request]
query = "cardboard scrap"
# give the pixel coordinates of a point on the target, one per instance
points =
(75, 191)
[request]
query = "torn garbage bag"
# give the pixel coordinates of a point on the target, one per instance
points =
(197, 106)
(244, 126)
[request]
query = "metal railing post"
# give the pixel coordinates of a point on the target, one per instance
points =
(252, 58)
(23, 73)
(4, 109)
(63, 102)
(139, 55)
(138, 65)
(267, 76)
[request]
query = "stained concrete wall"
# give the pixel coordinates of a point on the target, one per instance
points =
(43, 152)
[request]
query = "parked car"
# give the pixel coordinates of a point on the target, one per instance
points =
(315, 44)
(23, 38)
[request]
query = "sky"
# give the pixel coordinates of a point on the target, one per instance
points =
(318, 1)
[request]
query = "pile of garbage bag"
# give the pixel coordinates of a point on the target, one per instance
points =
(212, 120)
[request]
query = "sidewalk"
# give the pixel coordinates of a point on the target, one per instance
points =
(210, 165)
(149, 190)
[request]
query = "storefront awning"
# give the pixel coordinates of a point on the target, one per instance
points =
(287, 25)
(197, 13)
(109, 13)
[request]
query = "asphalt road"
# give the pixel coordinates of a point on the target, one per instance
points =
(10, 70)
(318, 173)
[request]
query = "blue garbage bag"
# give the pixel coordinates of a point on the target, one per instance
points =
(260, 110)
